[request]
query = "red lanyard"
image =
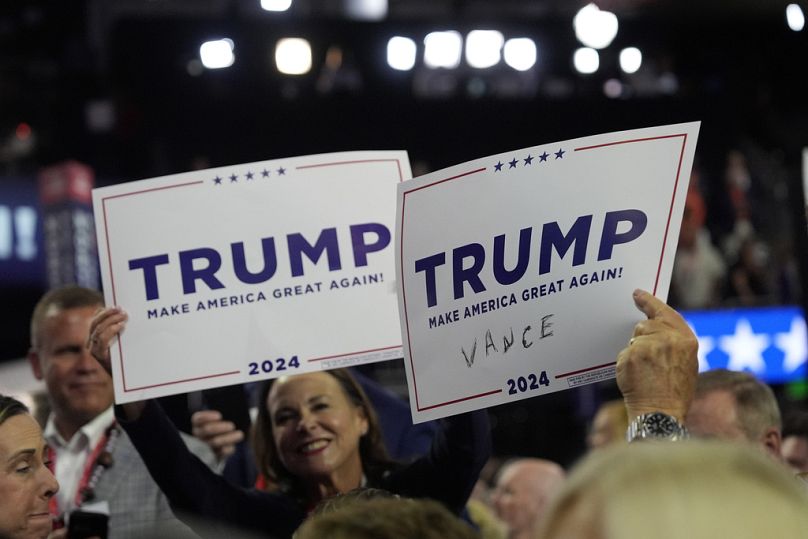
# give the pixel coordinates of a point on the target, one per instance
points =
(99, 459)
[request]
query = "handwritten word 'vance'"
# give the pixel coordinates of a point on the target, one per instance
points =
(202, 263)
(552, 238)
(508, 340)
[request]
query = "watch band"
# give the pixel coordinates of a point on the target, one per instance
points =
(656, 426)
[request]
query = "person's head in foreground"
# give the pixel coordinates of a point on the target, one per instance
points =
(26, 483)
(78, 387)
(317, 434)
(678, 490)
(735, 406)
(522, 494)
(345, 499)
(380, 518)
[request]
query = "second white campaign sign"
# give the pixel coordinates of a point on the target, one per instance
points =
(516, 271)
(251, 271)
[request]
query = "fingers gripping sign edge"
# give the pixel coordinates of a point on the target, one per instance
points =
(107, 324)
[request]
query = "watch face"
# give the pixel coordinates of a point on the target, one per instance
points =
(655, 425)
(660, 424)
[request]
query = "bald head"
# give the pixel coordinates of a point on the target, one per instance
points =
(524, 487)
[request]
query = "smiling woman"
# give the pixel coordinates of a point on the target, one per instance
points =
(317, 436)
(26, 483)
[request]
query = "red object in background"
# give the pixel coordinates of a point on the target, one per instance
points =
(67, 181)
(65, 194)
(23, 131)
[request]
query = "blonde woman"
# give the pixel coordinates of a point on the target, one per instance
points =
(678, 490)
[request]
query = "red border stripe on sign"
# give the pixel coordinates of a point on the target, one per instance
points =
(465, 174)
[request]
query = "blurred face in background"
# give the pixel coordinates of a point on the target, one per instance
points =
(795, 453)
(608, 426)
(78, 388)
(522, 493)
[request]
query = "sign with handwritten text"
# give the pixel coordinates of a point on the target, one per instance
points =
(515, 271)
(251, 271)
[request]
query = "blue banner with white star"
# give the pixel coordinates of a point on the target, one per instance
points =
(769, 342)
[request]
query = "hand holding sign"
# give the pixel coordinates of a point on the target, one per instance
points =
(657, 371)
(105, 326)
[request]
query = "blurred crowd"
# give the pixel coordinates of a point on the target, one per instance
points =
(334, 454)
(736, 244)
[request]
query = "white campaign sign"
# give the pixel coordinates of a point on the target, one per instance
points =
(251, 271)
(515, 271)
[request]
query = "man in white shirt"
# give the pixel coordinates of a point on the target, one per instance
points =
(94, 461)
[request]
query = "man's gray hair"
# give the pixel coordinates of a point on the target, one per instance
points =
(755, 402)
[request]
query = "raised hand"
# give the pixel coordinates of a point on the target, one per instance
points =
(658, 369)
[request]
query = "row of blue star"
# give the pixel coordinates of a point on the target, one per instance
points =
(528, 160)
(249, 176)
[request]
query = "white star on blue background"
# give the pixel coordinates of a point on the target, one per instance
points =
(771, 342)
(795, 345)
(745, 348)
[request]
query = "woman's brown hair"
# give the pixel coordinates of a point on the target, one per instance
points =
(9, 407)
(375, 460)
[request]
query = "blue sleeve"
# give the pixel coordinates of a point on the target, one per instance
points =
(240, 468)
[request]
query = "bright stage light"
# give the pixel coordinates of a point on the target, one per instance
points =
(293, 56)
(484, 48)
(586, 60)
(366, 10)
(520, 53)
(217, 54)
(630, 59)
(443, 49)
(401, 52)
(595, 28)
(613, 88)
(276, 5)
(795, 17)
